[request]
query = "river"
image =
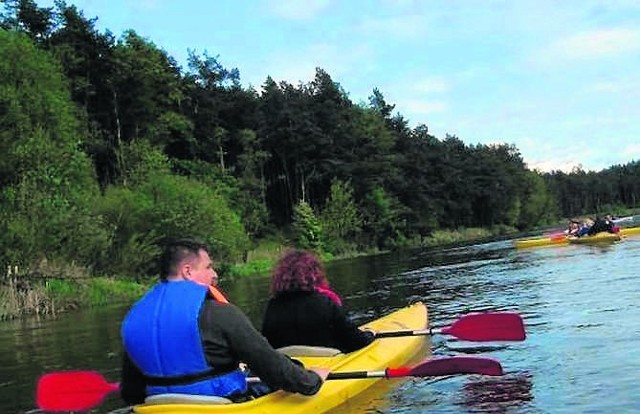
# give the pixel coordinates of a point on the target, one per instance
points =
(578, 302)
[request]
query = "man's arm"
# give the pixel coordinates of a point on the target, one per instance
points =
(132, 383)
(227, 332)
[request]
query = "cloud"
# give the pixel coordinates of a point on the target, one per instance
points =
(431, 85)
(297, 10)
(597, 44)
(422, 107)
(395, 27)
(625, 87)
(632, 151)
(301, 64)
(147, 5)
(566, 165)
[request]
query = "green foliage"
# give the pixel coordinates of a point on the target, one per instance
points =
(340, 220)
(256, 267)
(168, 206)
(141, 161)
(538, 205)
(47, 183)
(307, 228)
(383, 219)
(446, 236)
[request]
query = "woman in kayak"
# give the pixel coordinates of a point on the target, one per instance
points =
(304, 310)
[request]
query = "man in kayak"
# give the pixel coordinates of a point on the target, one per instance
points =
(184, 337)
(304, 310)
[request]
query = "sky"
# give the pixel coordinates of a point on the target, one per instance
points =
(559, 79)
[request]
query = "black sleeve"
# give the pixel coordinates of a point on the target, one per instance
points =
(349, 337)
(227, 332)
(132, 383)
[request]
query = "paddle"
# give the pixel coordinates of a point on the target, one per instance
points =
(72, 390)
(432, 367)
(83, 390)
(479, 327)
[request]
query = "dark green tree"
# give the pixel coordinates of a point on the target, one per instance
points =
(47, 184)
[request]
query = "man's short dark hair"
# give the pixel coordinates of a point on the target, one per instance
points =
(175, 252)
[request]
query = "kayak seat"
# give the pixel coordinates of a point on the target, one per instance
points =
(185, 399)
(309, 351)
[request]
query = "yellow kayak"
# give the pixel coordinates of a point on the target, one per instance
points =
(629, 231)
(603, 237)
(541, 241)
(380, 354)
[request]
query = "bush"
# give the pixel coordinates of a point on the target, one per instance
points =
(167, 206)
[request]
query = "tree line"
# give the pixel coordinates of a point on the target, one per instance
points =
(110, 146)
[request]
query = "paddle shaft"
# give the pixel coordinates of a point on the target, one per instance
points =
(416, 332)
(387, 373)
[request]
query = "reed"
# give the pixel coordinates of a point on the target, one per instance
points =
(18, 297)
(40, 294)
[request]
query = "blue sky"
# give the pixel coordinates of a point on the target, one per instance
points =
(558, 79)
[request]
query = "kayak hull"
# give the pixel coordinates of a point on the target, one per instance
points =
(380, 354)
(603, 237)
(630, 231)
(540, 242)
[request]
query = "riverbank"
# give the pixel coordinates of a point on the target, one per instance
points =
(50, 289)
(26, 294)
(261, 260)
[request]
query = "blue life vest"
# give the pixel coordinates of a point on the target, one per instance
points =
(162, 338)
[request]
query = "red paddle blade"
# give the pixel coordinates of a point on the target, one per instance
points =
(455, 365)
(498, 326)
(72, 390)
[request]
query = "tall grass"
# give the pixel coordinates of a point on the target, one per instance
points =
(25, 296)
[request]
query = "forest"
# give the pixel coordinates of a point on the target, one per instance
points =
(109, 147)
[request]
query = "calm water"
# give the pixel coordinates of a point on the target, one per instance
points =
(578, 302)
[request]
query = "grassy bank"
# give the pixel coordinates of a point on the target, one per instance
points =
(25, 295)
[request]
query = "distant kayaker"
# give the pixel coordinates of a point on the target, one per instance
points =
(584, 228)
(303, 310)
(574, 227)
(601, 225)
(184, 337)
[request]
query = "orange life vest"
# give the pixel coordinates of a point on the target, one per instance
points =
(217, 295)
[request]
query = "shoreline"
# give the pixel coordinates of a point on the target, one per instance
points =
(45, 295)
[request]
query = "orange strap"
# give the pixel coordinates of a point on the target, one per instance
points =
(217, 295)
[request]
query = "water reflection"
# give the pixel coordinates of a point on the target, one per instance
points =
(496, 395)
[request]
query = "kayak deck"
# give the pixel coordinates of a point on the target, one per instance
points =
(380, 354)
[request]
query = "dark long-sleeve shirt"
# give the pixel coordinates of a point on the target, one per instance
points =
(311, 318)
(228, 337)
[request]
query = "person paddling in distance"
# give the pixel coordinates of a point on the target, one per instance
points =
(574, 227)
(303, 310)
(183, 337)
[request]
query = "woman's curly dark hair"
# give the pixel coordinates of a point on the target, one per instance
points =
(298, 270)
